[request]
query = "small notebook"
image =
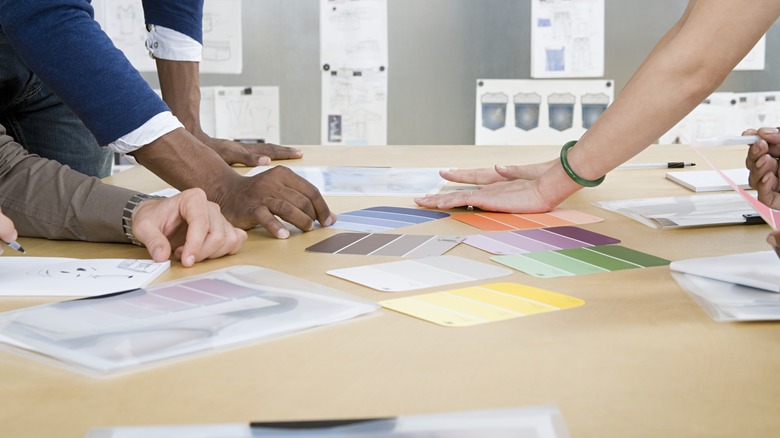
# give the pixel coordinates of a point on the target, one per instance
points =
(709, 180)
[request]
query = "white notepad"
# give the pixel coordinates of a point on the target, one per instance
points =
(709, 180)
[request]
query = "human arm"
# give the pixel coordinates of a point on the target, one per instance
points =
(687, 65)
(180, 85)
(46, 199)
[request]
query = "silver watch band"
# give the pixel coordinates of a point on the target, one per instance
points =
(127, 215)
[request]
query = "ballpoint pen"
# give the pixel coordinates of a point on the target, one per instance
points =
(669, 165)
(15, 245)
(711, 142)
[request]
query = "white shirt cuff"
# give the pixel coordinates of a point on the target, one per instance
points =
(164, 43)
(150, 131)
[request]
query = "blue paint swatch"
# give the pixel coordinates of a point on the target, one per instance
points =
(378, 219)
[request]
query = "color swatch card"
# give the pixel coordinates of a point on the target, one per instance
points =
(538, 239)
(579, 261)
(399, 245)
(508, 221)
(414, 274)
(378, 219)
(481, 304)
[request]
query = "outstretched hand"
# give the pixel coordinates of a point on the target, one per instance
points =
(510, 189)
(188, 225)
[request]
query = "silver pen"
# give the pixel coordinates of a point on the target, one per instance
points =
(15, 245)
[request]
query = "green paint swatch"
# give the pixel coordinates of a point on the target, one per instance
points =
(579, 261)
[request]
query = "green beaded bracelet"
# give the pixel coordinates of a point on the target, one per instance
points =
(578, 179)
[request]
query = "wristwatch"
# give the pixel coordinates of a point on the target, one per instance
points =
(127, 215)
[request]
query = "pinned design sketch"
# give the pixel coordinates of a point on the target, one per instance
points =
(544, 111)
(354, 60)
(567, 39)
(354, 107)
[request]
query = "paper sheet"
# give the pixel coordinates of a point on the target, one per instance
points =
(683, 211)
(354, 66)
(367, 180)
(123, 22)
(538, 112)
(567, 39)
(64, 277)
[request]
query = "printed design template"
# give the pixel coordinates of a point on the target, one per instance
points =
(368, 181)
(508, 221)
(399, 245)
(538, 111)
(537, 240)
(422, 273)
(579, 261)
(481, 304)
(115, 332)
(65, 277)
(378, 219)
(567, 39)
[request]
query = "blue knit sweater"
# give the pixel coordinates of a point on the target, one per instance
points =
(62, 43)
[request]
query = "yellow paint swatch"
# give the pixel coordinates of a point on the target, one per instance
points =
(481, 304)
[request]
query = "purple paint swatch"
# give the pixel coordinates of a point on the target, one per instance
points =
(538, 240)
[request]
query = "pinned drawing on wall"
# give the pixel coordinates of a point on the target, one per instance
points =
(123, 22)
(726, 114)
(241, 113)
(567, 39)
(528, 111)
(222, 37)
(354, 62)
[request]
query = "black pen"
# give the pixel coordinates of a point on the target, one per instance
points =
(668, 165)
(15, 245)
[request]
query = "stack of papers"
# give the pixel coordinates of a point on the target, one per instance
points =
(739, 287)
(112, 333)
(684, 211)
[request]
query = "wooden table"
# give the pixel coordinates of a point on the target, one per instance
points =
(640, 358)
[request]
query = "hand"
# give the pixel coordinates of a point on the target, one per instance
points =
(249, 154)
(278, 191)
(773, 239)
(7, 230)
(511, 189)
(187, 223)
(762, 162)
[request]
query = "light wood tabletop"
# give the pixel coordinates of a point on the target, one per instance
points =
(639, 359)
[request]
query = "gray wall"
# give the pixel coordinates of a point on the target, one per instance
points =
(438, 48)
